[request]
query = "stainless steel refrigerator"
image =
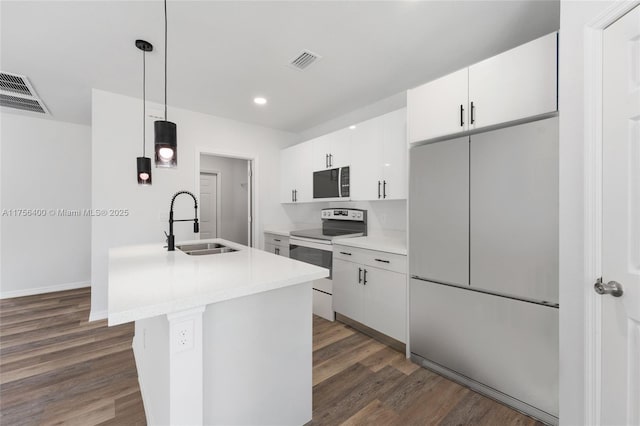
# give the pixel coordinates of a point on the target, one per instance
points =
(483, 253)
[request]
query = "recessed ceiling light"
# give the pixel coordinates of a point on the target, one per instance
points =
(352, 127)
(260, 101)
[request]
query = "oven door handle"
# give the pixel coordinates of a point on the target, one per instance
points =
(310, 243)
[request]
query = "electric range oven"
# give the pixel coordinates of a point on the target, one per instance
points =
(315, 246)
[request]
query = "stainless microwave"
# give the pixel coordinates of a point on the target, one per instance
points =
(331, 183)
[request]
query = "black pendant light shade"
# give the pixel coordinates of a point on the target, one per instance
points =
(166, 144)
(166, 141)
(144, 170)
(143, 164)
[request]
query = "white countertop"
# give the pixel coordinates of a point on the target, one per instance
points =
(147, 280)
(285, 230)
(391, 242)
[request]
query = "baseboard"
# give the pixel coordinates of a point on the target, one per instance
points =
(97, 315)
(42, 290)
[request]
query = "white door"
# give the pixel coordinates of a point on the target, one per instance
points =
(394, 155)
(208, 205)
(620, 350)
(364, 173)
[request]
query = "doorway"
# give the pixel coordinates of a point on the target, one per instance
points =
(225, 198)
(209, 205)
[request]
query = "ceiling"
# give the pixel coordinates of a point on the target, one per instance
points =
(222, 54)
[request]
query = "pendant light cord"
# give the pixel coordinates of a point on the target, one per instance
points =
(144, 103)
(165, 60)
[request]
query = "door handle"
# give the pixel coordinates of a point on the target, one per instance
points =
(277, 240)
(344, 252)
(613, 288)
(364, 279)
(378, 189)
(277, 250)
(382, 260)
(359, 275)
(295, 195)
(473, 108)
(461, 116)
(292, 196)
(326, 161)
(330, 160)
(384, 189)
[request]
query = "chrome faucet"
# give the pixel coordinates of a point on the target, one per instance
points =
(196, 228)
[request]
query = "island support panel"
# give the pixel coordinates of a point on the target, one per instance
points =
(248, 361)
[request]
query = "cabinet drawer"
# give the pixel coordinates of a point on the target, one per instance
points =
(276, 249)
(276, 239)
(377, 259)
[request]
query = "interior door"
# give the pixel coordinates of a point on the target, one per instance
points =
(208, 205)
(620, 342)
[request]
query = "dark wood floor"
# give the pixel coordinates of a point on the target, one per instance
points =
(57, 368)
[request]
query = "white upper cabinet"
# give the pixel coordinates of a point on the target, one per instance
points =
(514, 85)
(379, 158)
(331, 150)
(438, 108)
(295, 174)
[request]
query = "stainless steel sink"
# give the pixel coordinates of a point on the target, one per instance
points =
(201, 249)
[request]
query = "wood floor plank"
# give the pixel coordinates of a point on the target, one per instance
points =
(330, 336)
(376, 413)
(380, 359)
(334, 365)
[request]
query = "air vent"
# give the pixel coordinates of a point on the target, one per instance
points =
(303, 60)
(16, 92)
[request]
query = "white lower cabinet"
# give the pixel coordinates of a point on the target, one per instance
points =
(276, 244)
(370, 287)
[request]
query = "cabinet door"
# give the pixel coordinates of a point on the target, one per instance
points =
(439, 211)
(514, 210)
(288, 173)
(393, 162)
(321, 146)
(340, 149)
(364, 173)
(302, 178)
(516, 84)
(348, 292)
(434, 109)
(386, 302)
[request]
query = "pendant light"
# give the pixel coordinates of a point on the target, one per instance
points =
(144, 162)
(166, 144)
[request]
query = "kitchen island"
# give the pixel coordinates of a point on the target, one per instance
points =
(219, 339)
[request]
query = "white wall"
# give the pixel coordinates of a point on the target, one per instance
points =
(46, 164)
(233, 200)
(117, 141)
(383, 106)
(573, 282)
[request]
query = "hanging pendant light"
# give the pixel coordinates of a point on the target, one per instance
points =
(143, 164)
(166, 143)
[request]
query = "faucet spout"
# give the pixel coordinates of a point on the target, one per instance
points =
(196, 227)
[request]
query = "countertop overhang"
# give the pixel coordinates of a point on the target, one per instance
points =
(147, 280)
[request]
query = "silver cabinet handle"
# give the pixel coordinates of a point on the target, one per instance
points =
(613, 288)
(359, 275)
(364, 279)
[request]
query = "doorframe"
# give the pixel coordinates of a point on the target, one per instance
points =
(593, 85)
(253, 207)
(218, 195)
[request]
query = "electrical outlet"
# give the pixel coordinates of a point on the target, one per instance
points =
(183, 336)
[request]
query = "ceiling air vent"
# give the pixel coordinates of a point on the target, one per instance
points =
(303, 60)
(16, 92)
